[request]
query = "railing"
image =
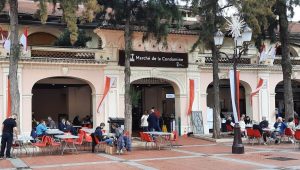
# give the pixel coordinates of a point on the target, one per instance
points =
(226, 60)
(294, 60)
(64, 53)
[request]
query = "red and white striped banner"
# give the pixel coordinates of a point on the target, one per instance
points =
(192, 96)
(106, 90)
(234, 91)
(258, 87)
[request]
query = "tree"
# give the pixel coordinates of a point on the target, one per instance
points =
(156, 24)
(64, 39)
(280, 9)
(262, 16)
(210, 12)
(69, 9)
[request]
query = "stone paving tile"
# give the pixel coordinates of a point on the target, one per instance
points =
(110, 166)
(262, 158)
(197, 164)
(192, 141)
(5, 164)
(213, 149)
(143, 154)
(62, 159)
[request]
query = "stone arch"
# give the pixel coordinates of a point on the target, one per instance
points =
(62, 89)
(73, 77)
(41, 38)
(178, 87)
(246, 99)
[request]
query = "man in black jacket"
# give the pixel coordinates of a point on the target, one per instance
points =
(8, 127)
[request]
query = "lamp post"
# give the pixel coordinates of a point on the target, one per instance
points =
(241, 42)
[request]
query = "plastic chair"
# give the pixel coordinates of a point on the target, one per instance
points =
(148, 139)
(229, 128)
(88, 140)
(297, 138)
(142, 136)
(174, 140)
(41, 144)
(100, 144)
(79, 141)
(53, 144)
(250, 136)
(289, 133)
(257, 135)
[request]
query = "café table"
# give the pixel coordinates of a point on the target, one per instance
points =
(21, 143)
(88, 130)
(54, 132)
(67, 145)
(161, 137)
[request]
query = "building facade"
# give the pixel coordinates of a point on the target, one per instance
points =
(66, 82)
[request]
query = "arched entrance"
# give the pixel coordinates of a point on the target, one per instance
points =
(153, 92)
(279, 97)
(61, 97)
(225, 99)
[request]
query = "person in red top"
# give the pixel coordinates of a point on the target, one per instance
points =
(8, 127)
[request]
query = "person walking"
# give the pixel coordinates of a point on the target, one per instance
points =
(144, 122)
(9, 126)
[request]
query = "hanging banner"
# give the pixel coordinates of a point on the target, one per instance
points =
(238, 93)
(8, 108)
(192, 96)
(258, 87)
(23, 39)
(106, 90)
(233, 91)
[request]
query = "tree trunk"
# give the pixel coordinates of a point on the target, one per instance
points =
(216, 91)
(216, 82)
(285, 61)
(127, 72)
(14, 58)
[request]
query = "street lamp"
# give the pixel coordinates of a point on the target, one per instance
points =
(241, 42)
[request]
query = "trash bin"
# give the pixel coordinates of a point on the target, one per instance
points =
(117, 120)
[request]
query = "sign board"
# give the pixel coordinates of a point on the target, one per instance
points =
(197, 122)
(155, 59)
(170, 96)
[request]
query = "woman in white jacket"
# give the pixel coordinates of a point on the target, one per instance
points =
(144, 122)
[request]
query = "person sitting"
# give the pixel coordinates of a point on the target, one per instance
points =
(122, 141)
(291, 124)
(99, 135)
(247, 120)
(51, 123)
(279, 126)
(264, 123)
(229, 124)
(76, 121)
(242, 125)
(41, 128)
(70, 128)
(62, 125)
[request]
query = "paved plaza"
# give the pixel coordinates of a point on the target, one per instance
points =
(191, 154)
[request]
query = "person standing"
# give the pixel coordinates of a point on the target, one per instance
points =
(52, 124)
(9, 126)
(144, 122)
(153, 121)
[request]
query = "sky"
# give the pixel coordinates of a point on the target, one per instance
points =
(231, 11)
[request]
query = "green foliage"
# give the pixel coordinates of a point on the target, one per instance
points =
(135, 96)
(2, 4)
(64, 39)
(141, 13)
(69, 8)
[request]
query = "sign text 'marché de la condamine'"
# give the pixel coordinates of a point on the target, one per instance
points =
(155, 59)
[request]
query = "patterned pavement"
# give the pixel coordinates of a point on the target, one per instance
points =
(192, 154)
